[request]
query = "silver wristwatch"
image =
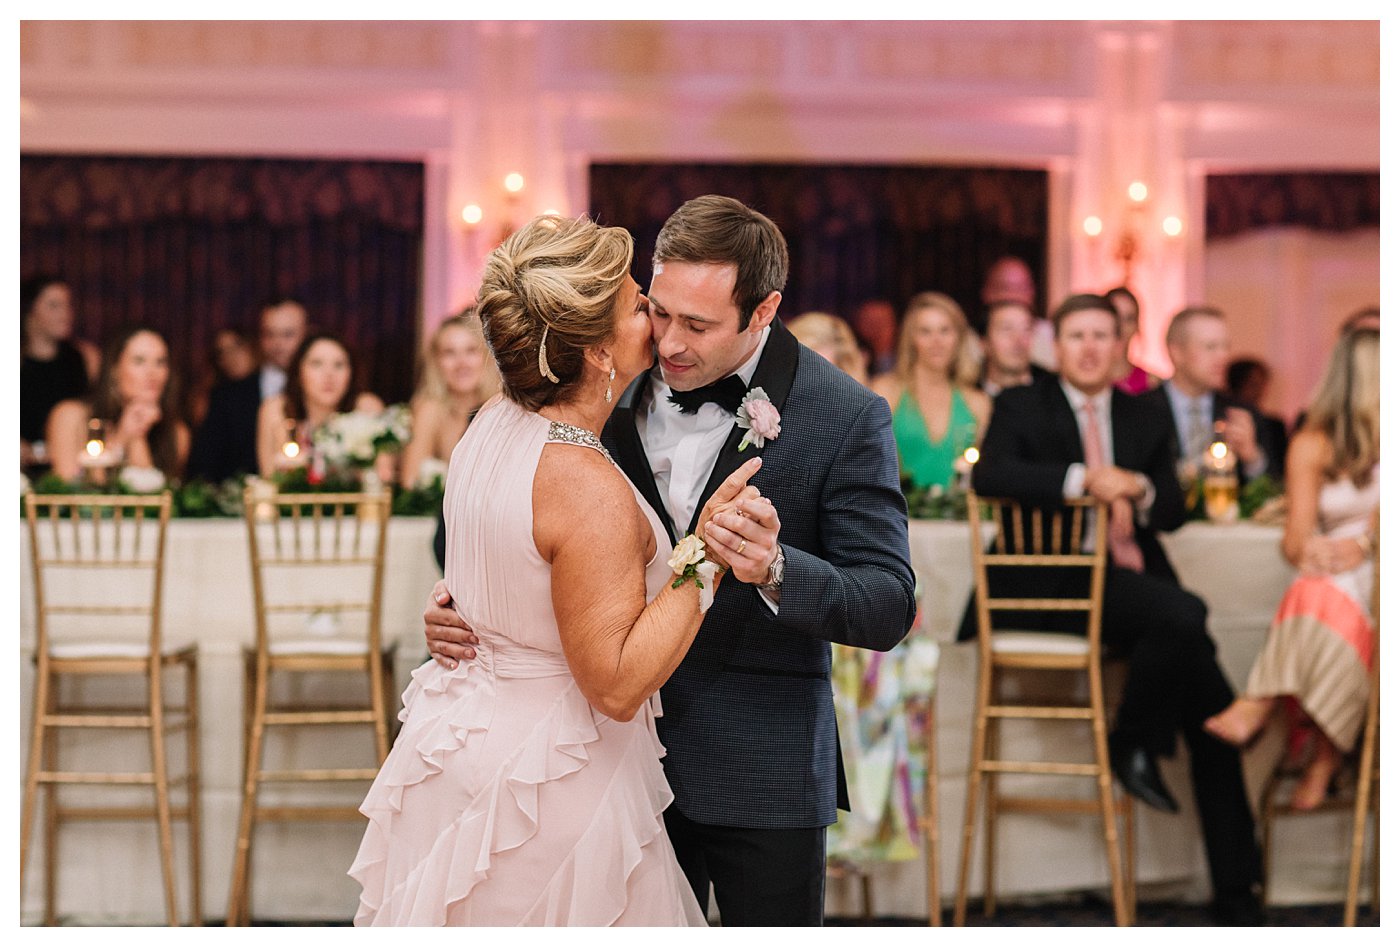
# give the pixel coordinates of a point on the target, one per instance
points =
(775, 573)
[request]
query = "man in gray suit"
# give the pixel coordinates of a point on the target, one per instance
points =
(749, 725)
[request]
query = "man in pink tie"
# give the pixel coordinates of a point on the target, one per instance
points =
(1077, 435)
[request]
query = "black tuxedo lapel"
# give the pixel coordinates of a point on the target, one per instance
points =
(774, 374)
(628, 452)
(1062, 420)
(1124, 432)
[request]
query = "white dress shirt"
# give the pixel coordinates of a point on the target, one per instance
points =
(271, 381)
(682, 448)
(1074, 476)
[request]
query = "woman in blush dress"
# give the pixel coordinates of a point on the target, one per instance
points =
(458, 377)
(938, 410)
(526, 785)
(1320, 645)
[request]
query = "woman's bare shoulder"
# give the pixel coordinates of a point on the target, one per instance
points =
(69, 411)
(1309, 447)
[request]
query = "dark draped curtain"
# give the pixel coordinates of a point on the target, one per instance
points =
(192, 245)
(1329, 201)
(854, 232)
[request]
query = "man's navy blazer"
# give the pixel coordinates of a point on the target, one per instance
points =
(749, 722)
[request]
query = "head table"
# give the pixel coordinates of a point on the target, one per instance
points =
(109, 872)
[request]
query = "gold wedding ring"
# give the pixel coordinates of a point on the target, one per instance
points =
(742, 544)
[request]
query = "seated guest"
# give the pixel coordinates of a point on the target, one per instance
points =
(1007, 345)
(232, 357)
(226, 443)
(320, 383)
(1321, 642)
(938, 410)
(831, 338)
(53, 366)
(458, 376)
(875, 326)
(1366, 318)
(1009, 279)
(1247, 381)
(1075, 436)
(1198, 342)
(136, 400)
(1128, 377)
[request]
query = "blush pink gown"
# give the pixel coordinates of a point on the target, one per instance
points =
(507, 799)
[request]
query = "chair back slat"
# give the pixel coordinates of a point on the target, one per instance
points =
(317, 566)
(97, 557)
(1019, 542)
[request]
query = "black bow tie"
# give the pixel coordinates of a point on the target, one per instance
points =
(728, 393)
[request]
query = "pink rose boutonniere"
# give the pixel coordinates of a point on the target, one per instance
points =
(759, 418)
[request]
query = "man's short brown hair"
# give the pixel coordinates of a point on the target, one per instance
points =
(715, 229)
(1083, 302)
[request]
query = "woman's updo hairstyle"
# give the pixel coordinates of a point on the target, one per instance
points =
(556, 279)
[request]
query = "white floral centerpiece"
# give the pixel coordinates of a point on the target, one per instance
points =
(432, 473)
(141, 479)
(350, 442)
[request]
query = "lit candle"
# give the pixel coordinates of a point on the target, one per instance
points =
(963, 467)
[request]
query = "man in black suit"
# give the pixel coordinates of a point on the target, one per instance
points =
(1194, 398)
(752, 753)
(1078, 436)
(226, 443)
(1007, 343)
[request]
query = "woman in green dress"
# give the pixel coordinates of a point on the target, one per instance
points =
(938, 410)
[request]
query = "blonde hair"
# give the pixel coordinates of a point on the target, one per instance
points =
(823, 330)
(1347, 406)
(967, 362)
(431, 384)
(546, 295)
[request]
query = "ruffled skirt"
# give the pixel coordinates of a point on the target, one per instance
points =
(509, 801)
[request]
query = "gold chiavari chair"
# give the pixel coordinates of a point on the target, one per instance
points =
(1028, 539)
(1368, 794)
(98, 564)
(318, 578)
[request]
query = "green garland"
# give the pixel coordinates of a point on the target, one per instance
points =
(200, 499)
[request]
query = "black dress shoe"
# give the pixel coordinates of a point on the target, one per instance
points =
(1136, 770)
(1237, 909)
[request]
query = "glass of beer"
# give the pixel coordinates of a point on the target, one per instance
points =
(1221, 492)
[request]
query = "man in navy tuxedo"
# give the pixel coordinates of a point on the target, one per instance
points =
(749, 726)
(1077, 435)
(226, 443)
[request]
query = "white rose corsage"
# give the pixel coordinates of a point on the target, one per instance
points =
(758, 417)
(689, 564)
